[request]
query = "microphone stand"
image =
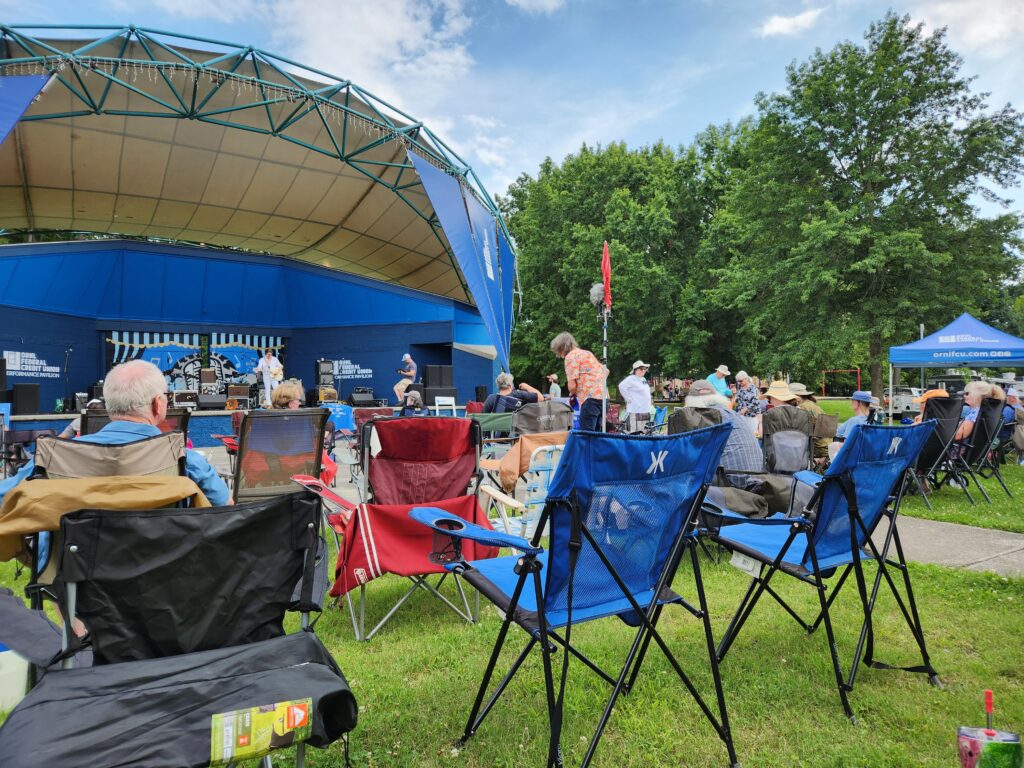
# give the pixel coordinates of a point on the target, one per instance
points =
(69, 400)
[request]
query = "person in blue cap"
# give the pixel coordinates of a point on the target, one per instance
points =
(861, 400)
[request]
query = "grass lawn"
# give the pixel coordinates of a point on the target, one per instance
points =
(415, 681)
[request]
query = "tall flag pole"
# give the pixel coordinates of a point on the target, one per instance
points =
(606, 277)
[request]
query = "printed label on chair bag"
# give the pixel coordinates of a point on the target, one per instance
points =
(251, 733)
(748, 565)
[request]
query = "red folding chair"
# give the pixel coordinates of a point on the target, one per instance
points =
(433, 460)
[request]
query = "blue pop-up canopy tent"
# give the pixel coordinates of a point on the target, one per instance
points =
(965, 341)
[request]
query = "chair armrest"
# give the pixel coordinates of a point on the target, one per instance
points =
(502, 497)
(438, 519)
(732, 518)
(807, 477)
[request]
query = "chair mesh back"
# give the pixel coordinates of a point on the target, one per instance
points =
(545, 416)
(787, 445)
(690, 418)
(635, 494)
(60, 459)
(986, 429)
(176, 421)
(946, 413)
(273, 446)
(874, 458)
(164, 582)
(422, 459)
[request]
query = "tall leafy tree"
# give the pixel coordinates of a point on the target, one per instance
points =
(853, 217)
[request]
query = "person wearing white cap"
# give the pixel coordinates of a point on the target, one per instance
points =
(408, 374)
(717, 379)
(635, 390)
(75, 427)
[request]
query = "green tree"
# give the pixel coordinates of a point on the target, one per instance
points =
(853, 219)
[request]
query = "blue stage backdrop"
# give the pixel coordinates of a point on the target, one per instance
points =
(181, 355)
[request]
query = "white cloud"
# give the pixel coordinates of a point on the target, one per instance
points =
(537, 6)
(790, 25)
(203, 9)
(990, 28)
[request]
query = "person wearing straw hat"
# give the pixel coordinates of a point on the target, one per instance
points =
(778, 394)
(805, 401)
(635, 390)
(717, 379)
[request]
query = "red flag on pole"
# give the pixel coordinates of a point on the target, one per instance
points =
(606, 275)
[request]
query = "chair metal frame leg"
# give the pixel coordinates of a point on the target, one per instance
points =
(467, 613)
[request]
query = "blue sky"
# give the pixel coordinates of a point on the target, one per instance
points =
(509, 82)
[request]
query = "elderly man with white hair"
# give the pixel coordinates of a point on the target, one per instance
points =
(136, 398)
(508, 398)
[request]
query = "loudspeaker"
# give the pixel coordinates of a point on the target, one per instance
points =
(429, 393)
(25, 399)
(81, 398)
(96, 391)
(3, 373)
(324, 366)
(447, 376)
(212, 402)
(207, 376)
(362, 400)
(238, 390)
(437, 376)
(481, 393)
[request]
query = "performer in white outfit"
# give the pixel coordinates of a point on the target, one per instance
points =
(273, 373)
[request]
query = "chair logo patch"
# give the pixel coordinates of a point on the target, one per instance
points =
(657, 462)
(360, 574)
(894, 446)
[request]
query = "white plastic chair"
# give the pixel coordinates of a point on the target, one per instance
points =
(447, 403)
(525, 514)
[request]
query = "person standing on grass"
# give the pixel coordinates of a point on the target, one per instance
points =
(585, 378)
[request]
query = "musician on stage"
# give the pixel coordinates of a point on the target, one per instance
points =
(272, 371)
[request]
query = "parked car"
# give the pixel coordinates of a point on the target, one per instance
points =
(903, 401)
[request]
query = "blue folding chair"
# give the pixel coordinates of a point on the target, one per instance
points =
(621, 513)
(833, 530)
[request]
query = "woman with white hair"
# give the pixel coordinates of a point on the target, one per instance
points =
(974, 393)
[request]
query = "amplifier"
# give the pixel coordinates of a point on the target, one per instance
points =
(362, 400)
(431, 392)
(325, 380)
(212, 402)
(437, 376)
(238, 390)
(185, 398)
(96, 391)
(326, 395)
(25, 399)
(81, 398)
(323, 366)
(207, 376)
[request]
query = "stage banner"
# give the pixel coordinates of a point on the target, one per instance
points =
(180, 355)
(471, 231)
(16, 95)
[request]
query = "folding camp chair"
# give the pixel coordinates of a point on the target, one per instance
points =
(971, 459)
(353, 458)
(833, 531)
(524, 514)
(423, 459)
(61, 459)
(933, 464)
(273, 445)
(545, 416)
(17, 447)
(787, 439)
(181, 681)
(620, 512)
(176, 421)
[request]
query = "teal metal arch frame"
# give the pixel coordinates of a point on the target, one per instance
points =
(188, 85)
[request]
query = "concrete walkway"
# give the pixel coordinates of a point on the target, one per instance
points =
(924, 541)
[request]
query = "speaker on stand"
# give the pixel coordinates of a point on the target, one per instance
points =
(481, 393)
(25, 399)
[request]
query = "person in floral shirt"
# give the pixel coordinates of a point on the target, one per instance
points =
(748, 402)
(585, 377)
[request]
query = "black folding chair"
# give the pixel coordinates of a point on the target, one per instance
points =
(179, 680)
(933, 465)
(787, 438)
(981, 459)
(176, 421)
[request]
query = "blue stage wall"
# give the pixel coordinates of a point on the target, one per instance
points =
(59, 295)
